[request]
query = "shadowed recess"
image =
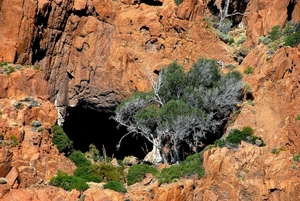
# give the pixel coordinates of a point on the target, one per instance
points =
(85, 126)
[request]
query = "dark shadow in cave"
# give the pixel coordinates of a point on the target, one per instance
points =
(85, 126)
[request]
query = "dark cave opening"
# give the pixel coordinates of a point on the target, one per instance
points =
(86, 126)
(290, 10)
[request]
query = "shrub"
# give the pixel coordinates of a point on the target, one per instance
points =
(116, 186)
(292, 40)
(93, 153)
(275, 33)
(224, 37)
(137, 172)
(235, 137)
(68, 182)
(241, 39)
(248, 70)
(85, 173)
(41, 129)
(108, 172)
(79, 159)
(14, 140)
(170, 174)
(297, 118)
(191, 166)
(61, 140)
(296, 157)
(178, 2)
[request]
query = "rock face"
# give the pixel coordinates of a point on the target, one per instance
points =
(99, 52)
(27, 156)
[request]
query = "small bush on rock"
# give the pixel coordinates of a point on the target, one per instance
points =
(68, 182)
(61, 140)
(137, 172)
(235, 137)
(79, 159)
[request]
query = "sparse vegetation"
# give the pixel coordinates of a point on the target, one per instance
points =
(296, 157)
(137, 172)
(178, 2)
(277, 150)
(235, 137)
(191, 166)
(1, 136)
(14, 141)
(248, 70)
(297, 118)
(276, 38)
(116, 186)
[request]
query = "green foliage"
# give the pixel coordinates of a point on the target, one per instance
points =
(297, 118)
(173, 82)
(170, 174)
(235, 137)
(248, 70)
(108, 172)
(93, 153)
(191, 166)
(79, 159)
(41, 129)
(14, 140)
(137, 172)
(289, 36)
(241, 39)
(68, 182)
(178, 2)
(292, 40)
(276, 150)
(204, 73)
(1, 136)
(275, 33)
(183, 107)
(116, 186)
(61, 140)
(230, 41)
(85, 173)
(296, 157)
(224, 37)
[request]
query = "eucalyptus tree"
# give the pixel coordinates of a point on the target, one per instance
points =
(181, 109)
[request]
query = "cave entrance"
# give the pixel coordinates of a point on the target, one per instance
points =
(86, 126)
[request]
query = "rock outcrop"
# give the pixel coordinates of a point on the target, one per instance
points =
(99, 52)
(27, 154)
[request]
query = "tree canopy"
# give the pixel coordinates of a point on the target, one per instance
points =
(182, 109)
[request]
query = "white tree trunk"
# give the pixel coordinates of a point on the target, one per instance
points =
(155, 156)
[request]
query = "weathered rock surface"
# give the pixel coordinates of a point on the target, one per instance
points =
(32, 158)
(99, 52)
